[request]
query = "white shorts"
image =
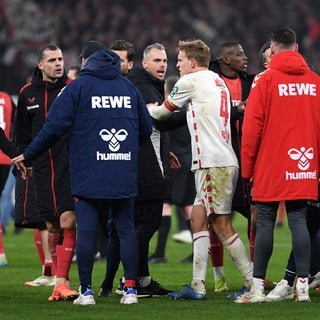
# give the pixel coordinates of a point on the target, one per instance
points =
(215, 188)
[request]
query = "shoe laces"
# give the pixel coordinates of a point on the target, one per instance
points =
(129, 290)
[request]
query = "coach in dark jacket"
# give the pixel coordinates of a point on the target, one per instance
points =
(153, 164)
(152, 174)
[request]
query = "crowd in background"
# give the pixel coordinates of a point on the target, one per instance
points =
(28, 24)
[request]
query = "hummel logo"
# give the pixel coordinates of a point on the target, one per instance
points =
(303, 156)
(113, 137)
(256, 78)
(303, 280)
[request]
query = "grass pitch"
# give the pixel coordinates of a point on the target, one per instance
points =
(19, 302)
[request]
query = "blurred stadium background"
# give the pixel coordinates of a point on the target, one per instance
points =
(26, 25)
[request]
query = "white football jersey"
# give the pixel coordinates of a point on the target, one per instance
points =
(208, 117)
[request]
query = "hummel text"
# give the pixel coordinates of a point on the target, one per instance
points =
(114, 156)
(301, 175)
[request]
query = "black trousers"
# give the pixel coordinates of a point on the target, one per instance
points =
(147, 220)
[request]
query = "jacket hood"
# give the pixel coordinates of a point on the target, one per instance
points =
(140, 76)
(289, 62)
(37, 80)
(104, 64)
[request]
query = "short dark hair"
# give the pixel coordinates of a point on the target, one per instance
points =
(263, 50)
(225, 47)
(41, 51)
(284, 36)
(122, 45)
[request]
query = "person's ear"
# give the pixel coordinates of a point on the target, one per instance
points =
(130, 65)
(145, 65)
(192, 63)
(226, 59)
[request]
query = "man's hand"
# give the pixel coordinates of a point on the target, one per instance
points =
(152, 104)
(174, 161)
(18, 161)
(158, 112)
(241, 107)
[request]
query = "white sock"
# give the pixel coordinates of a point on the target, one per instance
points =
(238, 254)
(201, 245)
(257, 286)
(218, 272)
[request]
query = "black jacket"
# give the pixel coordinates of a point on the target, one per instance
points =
(152, 183)
(34, 102)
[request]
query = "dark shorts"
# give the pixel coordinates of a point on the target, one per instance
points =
(54, 198)
(52, 183)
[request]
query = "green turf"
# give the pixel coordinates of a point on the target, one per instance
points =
(19, 302)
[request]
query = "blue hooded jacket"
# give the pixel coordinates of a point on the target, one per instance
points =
(106, 118)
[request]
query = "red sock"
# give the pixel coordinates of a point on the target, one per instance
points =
(38, 244)
(52, 243)
(1, 241)
(130, 283)
(216, 248)
(65, 252)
